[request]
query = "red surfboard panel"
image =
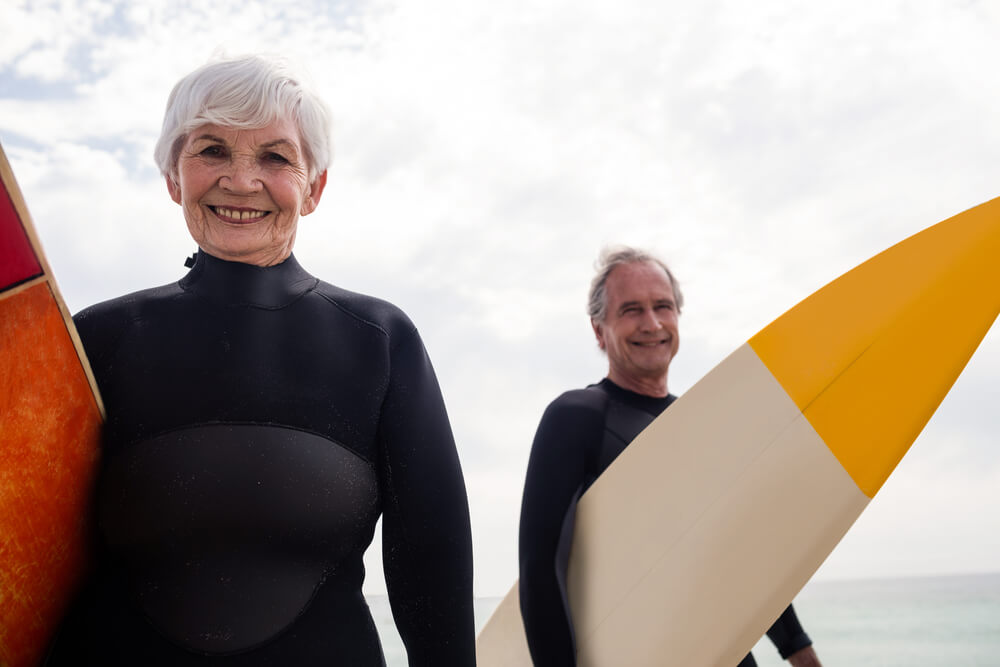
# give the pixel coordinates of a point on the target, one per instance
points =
(17, 259)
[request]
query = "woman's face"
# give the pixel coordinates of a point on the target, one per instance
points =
(243, 191)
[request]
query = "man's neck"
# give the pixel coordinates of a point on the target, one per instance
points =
(655, 387)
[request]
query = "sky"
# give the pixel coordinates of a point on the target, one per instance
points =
(484, 152)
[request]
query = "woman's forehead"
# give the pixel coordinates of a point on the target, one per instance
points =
(281, 130)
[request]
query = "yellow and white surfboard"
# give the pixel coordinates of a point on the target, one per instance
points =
(771, 457)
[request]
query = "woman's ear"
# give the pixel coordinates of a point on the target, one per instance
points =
(173, 188)
(312, 197)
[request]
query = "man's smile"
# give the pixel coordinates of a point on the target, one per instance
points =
(650, 343)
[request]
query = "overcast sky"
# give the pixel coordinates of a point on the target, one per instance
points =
(485, 151)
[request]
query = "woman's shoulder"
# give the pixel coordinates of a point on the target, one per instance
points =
(367, 309)
(127, 306)
(107, 319)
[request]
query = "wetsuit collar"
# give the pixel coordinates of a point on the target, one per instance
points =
(236, 283)
(654, 405)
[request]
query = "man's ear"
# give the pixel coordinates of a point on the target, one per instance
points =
(311, 200)
(173, 188)
(598, 332)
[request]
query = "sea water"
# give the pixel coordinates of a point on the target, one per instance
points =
(913, 622)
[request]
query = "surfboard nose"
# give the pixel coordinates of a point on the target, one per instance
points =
(870, 356)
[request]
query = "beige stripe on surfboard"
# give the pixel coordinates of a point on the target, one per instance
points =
(502, 642)
(731, 482)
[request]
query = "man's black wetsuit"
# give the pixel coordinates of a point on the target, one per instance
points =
(259, 423)
(579, 436)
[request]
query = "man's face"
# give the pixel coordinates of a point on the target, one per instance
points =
(639, 331)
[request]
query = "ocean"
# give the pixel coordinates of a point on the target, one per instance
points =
(911, 622)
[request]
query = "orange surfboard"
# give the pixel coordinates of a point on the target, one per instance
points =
(50, 421)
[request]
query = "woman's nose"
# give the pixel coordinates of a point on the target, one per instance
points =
(242, 176)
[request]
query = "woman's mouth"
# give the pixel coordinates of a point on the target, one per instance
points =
(238, 215)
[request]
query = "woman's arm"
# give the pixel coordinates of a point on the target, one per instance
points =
(426, 534)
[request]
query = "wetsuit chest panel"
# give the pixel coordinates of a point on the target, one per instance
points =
(188, 360)
(622, 423)
(233, 527)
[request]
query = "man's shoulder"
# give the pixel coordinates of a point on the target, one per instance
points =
(588, 400)
(572, 423)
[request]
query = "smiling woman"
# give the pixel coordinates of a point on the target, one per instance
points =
(244, 190)
(261, 421)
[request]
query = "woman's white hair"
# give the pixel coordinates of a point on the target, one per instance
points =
(247, 92)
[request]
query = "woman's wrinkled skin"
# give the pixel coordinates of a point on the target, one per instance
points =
(243, 190)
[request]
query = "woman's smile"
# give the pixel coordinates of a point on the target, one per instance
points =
(243, 190)
(238, 215)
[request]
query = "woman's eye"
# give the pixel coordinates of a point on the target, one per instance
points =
(275, 158)
(212, 151)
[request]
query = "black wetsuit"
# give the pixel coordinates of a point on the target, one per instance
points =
(579, 436)
(259, 423)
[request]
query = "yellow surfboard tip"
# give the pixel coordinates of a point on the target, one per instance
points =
(870, 356)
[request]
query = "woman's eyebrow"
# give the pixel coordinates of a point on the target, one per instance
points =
(279, 142)
(208, 137)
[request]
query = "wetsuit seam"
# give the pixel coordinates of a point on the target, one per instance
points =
(187, 427)
(411, 335)
(347, 311)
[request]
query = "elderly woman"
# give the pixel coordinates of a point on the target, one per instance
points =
(260, 421)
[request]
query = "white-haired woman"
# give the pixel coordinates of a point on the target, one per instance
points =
(260, 421)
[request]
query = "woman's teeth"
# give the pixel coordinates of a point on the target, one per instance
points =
(239, 215)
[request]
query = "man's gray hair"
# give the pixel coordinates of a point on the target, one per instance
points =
(246, 92)
(597, 305)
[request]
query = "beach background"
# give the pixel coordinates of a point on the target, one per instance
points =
(483, 154)
(910, 621)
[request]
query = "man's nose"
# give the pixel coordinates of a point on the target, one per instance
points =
(649, 320)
